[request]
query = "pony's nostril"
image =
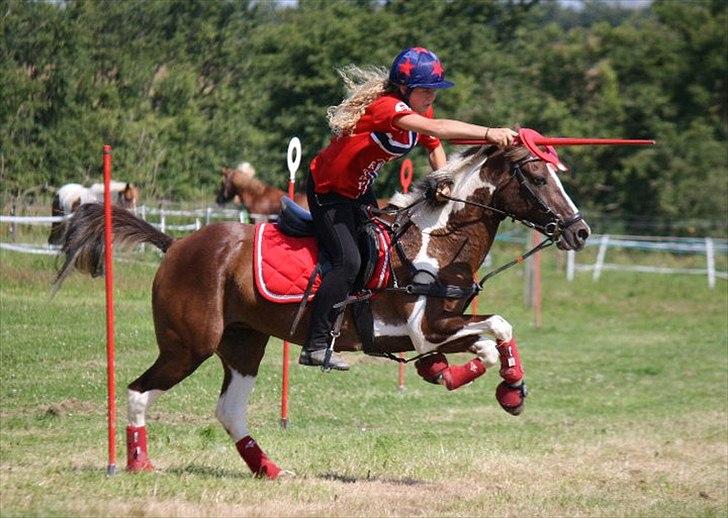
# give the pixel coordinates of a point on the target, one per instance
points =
(582, 234)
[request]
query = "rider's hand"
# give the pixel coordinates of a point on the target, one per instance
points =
(443, 190)
(501, 137)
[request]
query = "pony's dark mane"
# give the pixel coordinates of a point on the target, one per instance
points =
(459, 164)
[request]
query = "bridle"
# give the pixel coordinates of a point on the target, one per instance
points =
(555, 226)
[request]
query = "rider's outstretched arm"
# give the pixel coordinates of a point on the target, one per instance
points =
(448, 129)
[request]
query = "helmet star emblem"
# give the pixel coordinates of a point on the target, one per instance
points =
(437, 69)
(406, 67)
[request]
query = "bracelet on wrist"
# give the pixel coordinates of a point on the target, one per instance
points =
(486, 133)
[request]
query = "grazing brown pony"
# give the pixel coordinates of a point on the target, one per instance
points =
(205, 301)
(257, 197)
(70, 196)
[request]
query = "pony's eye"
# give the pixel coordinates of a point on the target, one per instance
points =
(538, 181)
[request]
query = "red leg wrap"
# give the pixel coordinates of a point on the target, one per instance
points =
(431, 367)
(137, 458)
(456, 376)
(511, 392)
(257, 461)
(511, 398)
(511, 367)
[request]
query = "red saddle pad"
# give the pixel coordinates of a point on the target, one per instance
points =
(283, 264)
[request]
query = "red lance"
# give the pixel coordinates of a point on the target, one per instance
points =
(543, 147)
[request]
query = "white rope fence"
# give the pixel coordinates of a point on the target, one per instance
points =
(707, 246)
(201, 217)
(701, 246)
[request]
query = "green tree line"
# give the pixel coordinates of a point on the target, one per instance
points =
(180, 88)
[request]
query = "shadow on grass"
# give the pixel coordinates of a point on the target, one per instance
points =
(206, 471)
(190, 469)
(348, 479)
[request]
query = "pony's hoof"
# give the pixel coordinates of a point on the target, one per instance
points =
(140, 466)
(511, 397)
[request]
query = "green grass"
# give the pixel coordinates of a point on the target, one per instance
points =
(627, 413)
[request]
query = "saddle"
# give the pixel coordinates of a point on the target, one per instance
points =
(288, 265)
(287, 254)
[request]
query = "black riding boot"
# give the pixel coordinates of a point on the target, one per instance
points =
(319, 338)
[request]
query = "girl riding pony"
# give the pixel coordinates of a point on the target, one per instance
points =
(382, 119)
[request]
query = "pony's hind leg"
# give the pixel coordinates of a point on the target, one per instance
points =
(170, 368)
(241, 351)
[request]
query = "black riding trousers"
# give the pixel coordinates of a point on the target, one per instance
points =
(337, 220)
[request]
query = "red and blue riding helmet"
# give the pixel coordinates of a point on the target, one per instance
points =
(417, 67)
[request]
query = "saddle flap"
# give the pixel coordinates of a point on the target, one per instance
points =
(283, 264)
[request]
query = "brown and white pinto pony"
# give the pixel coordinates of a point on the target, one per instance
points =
(205, 302)
(258, 198)
(70, 196)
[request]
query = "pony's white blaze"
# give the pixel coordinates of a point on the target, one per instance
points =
(555, 178)
(139, 403)
(232, 406)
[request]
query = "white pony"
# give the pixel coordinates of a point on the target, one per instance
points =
(69, 197)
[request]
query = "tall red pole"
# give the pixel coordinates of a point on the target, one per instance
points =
(406, 172)
(110, 370)
(293, 158)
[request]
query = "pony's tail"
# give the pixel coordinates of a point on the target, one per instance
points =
(83, 242)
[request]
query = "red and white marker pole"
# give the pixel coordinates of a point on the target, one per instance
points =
(293, 159)
(109, 274)
(406, 172)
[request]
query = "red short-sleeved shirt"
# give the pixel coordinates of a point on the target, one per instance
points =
(349, 164)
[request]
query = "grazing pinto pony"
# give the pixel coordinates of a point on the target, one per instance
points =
(257, 197)
(69, 197)
(205, 301)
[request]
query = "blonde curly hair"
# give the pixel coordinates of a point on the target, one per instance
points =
(363, 85)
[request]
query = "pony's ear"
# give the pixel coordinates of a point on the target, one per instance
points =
(128, 187)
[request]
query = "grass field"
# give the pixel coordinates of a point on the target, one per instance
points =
(627, 413)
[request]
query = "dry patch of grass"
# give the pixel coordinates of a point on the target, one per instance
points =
(624, 473)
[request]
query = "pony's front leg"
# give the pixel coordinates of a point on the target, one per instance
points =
(465, 333)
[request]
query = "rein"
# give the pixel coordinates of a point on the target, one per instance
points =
(552, 230)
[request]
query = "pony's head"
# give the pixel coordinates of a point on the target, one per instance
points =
(500, 183)
(129, 196)
(231, 180)
(226, 192)
(529, 189)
